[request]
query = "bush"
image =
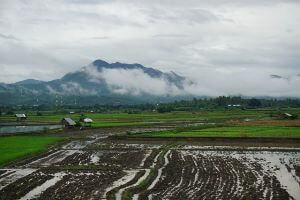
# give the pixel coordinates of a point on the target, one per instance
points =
(39, 114)
(10, 112)
(78, 124)
(164, 108)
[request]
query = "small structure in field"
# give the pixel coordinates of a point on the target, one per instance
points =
(289, 116)
(87, 121)
(68, 122)
(21, 117)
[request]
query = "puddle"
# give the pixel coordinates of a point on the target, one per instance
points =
(77, 144)
(27, 129)
(232, 148)
(160, 171)
(36, 192)
(141, 179)
(145, 158)
(96, 157)
(130, 174)
(273, 163)
(15, 175)
(277, 161)
(52, 158)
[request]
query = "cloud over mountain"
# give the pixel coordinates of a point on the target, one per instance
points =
(225, 47)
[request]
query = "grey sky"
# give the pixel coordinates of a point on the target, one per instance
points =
(226, 46)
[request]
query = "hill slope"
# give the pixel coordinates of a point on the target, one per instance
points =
(98, 83)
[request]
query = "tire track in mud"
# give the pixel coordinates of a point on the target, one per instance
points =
(213, 177)
(132, 187)
(129, 172)
(36, 192)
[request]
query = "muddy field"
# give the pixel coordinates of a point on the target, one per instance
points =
(97, 167)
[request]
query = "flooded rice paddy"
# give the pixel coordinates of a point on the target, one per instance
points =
(27, 128)
(100, 168)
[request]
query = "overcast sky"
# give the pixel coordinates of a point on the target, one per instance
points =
(225, 46)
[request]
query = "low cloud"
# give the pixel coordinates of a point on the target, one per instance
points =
(247, 82)
(51, 90)
(133, 82)
(72, 88)
(210, 82)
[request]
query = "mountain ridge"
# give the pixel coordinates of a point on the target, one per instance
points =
(82, 83)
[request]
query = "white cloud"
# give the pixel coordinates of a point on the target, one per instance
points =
(132, 81)
(229, 47)
(75, 88)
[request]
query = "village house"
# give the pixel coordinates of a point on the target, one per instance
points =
(21, 117)
(288, 116)
(68, 122)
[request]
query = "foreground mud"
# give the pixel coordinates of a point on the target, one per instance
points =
(96, 167)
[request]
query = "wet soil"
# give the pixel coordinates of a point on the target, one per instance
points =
(95, 166)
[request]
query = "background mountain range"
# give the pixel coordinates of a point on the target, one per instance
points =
(112, 83)
(99, 83)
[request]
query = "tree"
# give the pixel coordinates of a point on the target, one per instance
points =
(254, 103)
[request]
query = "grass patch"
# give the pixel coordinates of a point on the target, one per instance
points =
(125, 119)
(16, 147)
(230, 131)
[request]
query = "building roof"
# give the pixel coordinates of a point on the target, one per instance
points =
(87, 120)
(21, 115)
(288, 114)
(69, 121)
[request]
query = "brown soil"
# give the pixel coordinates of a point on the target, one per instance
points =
(185, 174)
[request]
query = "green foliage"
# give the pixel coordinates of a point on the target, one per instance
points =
(164, 108)
(10, 112)
(78, 123)
(254, 103)
(230, 131)
(82, 117)
(17, 147)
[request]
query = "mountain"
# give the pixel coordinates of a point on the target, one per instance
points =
(99, 82)
(28, 82)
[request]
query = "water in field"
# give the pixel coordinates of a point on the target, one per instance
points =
(27, 129)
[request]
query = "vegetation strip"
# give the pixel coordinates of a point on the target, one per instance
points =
(16, 147)
(225, 131)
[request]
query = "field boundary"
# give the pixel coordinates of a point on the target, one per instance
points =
(209, 139)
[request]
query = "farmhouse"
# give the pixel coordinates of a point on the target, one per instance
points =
(68, 122)
(288, 116)
(21, 117)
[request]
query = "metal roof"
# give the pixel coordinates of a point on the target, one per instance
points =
(87, 120)
(21, 115)
(69, 121)
(288, 114)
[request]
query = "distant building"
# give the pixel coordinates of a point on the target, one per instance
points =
(289, 116)
(87, 121)
(21, 117)
(68, 122)
(72, 112)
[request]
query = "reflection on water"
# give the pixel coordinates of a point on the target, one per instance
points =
(26, 129)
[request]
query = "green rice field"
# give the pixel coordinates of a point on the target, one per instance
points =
(231, 131)
(17, 147)
(148, 118)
